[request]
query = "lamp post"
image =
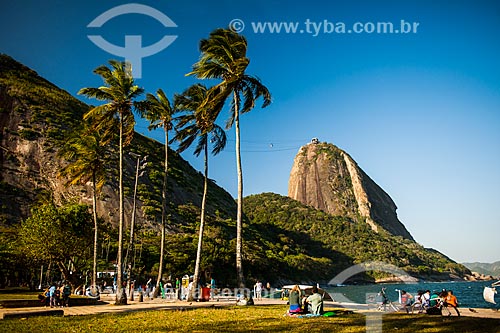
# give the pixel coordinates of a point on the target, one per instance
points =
(141, 165)
(41, 278)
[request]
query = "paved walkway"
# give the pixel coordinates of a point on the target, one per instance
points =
(161, 304)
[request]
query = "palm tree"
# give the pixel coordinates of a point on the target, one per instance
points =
(158, 110)
(197, 124)
(119, 91)
(87, 155)
(223, 56)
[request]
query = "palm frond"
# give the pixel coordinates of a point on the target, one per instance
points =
(86, 154)
(253, 89)
(97, 93)
(198, 119)
(218, 139)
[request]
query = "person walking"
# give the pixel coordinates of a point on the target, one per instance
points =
(258, 290)
(66, 293)
(212, 288)
(178, 288)
(451, 302)
(52, 295)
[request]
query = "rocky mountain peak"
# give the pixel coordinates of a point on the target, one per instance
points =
(327, 178)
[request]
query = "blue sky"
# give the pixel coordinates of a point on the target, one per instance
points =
(419, 112)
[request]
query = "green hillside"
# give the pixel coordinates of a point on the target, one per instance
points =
(315, 246)
(492, 269)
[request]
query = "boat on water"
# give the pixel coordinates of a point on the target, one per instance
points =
(489, 292)
(306, 289)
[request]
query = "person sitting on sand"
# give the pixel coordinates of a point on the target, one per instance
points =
(425, 299)
(316, 302)
(44, 297)
(294, 300)
(406, 300)
(451, 302)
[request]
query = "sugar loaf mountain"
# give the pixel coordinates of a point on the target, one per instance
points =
(333, 217)
(327, 178)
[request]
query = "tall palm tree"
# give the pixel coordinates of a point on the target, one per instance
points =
(158, 110)
(223, 56)
(195, 124)
(119, 92)
(87, 155)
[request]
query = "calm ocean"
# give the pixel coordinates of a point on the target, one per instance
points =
(469, 294)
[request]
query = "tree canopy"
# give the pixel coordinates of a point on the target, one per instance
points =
(58, 235)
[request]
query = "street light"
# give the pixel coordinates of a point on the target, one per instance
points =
(141, 165)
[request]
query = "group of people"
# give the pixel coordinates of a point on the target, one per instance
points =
(300, 303)
(259, 288)
(56, 296)
(431, 303)
(313, 304)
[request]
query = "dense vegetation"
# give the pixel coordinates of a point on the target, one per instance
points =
(492, 269)
(45, 109)
(316, 246)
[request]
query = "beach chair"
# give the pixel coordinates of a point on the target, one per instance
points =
(417, 307)
(316, 309)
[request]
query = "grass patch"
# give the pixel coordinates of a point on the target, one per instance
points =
(33, 295)
(241, 319)
(20, 293)
(17, 293)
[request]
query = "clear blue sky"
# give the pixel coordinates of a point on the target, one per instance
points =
(419, 112)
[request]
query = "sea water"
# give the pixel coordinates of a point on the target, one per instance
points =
(469, 294)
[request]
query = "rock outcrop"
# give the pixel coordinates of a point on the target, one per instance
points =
(326, 177)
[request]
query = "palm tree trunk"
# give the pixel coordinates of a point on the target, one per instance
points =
(128, 263)
(163, 217)
(94, 208)
(119, 299)
(202, 227)
(239, 224)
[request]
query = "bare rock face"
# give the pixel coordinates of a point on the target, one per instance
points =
(325, 177)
